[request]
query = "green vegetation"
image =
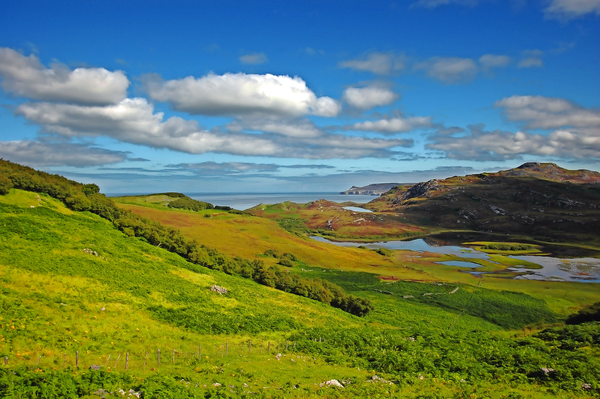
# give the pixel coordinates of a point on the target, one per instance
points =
(506, 309)
(286, 259)
(508, 247)
(82, 280)
(552, 357)
(80, 197)
(590, 313)
(384, 252)
(190, 204)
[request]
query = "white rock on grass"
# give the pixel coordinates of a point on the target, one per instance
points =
(331, 383)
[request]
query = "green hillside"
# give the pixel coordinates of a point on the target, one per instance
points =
(76, 291)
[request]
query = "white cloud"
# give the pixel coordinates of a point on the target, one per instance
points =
(498, 145)
(489, 61)
(134, 121)
(58, 154)
(27, 77)
(241, 95)
(301, 128)
(574, 132)
(364, 98)
(450, 69)
(393, 125)
(377, 63)
(531, 62)
(254, 59)
(531, 59)
(548, 113)
(570, 9)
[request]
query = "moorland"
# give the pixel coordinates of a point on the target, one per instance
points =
(164, 296)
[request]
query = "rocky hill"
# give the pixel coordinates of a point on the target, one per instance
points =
(540, 200)
(371, 189)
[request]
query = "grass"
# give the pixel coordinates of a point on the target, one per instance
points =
(57, 297)
(506, 248)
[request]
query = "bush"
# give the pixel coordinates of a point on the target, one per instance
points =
(5, 185)
(286, 263)
(190, 204)
(591, 313)
(508, 247)
(384, 252)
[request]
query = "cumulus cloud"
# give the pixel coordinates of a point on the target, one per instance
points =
(499, 145)
(377, 63)
(573, 132)
(364, 98)
(570, 9)
(254, 58)
(531, 59)
(490, 61)
(37, 153)
(27, 77)
(540, 112)
(241, 95)
(449, 69)
(393, 125)
(134, 121)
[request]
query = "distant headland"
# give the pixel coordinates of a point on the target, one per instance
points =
(371, 189)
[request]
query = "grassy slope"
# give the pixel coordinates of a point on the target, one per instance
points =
(53, 292)
(331, 219)
(249, 236)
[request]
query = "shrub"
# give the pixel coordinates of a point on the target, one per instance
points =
(5, 185)
(190, 204)
(591, 313)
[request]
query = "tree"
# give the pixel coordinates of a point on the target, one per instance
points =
(5, 185)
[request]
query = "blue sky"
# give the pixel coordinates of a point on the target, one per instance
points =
(274, 96)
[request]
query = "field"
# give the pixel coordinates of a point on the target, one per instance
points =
(77, 292)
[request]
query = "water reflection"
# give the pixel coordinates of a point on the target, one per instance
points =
(419, 245)
(579, 269)
(559, 268)
(357, 209)
(458, 263)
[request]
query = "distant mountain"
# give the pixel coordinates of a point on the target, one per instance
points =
(541, 200)
(371, 189)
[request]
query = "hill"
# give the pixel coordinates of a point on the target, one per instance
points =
(541, 201)
(371, 189)
(537, 203)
